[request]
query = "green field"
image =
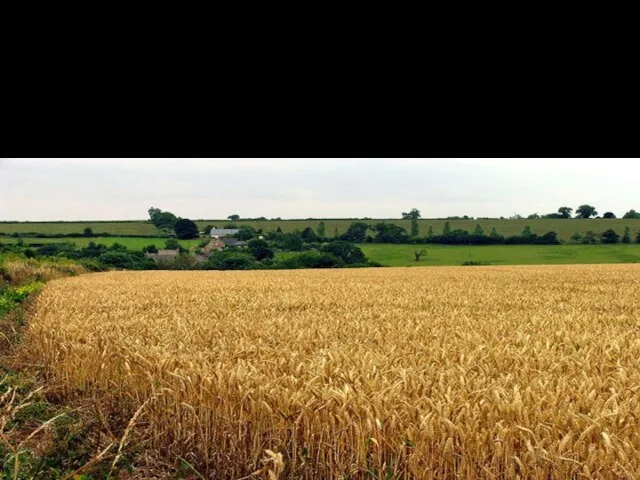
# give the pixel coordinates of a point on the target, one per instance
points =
(402, 255)
(564, 228)
(129, 242)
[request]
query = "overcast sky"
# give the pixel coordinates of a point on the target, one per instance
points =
(124, 189)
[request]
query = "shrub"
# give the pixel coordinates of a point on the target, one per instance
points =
(348, 252)
(609, 236)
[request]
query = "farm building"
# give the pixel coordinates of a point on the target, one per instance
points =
(164, 255)
(223, 232)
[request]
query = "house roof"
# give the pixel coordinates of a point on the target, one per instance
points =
(220, 232)
(168, 253)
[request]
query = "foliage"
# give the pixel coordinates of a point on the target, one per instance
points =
(246, 233)
(632, 214)
(626, 237)
(609, 236)
(309, 236)
(589, 237)
(310, 259)
(321, 229)
(171, 244)
(162, 220)
(413, 214)
(415, 229)
(419, 253)
(576, 237)
(609, 215)
(346, 251)
(260, 249)
(446, 230)
(565, 212)
(356, 232)
(390, 233)
(229, 260)
(234, 218)
(186, 229)
(88, 232)
(586, 211)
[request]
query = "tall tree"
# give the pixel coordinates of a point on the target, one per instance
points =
(414, 214)
(631, 214)
(162, 220)
(321, 229)
(234, 218)
(565, 212)
(586, 211)
(415, 229)
(609, 215)
(626, 238)
(186, 229)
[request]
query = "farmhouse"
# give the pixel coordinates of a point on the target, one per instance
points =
(164, 255)
(223, 232)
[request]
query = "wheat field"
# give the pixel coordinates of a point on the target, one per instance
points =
(451, 372)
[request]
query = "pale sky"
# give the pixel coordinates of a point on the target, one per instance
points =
(124, 189)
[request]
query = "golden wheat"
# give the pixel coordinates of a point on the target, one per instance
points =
(452, 372)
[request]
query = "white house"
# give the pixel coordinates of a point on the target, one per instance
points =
(223, 232)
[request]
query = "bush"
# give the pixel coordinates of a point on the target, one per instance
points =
(186, 229)
(311, 259)
(346, 251)
(260, 249)
(229, 260)
(609, 236)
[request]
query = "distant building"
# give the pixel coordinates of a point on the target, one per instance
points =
(223, 232)
(164, 255)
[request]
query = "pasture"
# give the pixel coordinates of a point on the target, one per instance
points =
(450, 372)
(402, 255)
(564, 228)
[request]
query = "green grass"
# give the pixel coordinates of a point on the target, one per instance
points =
(564, 228)
(132, 243)
(402, 255)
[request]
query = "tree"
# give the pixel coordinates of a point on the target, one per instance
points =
(347, 251)
(356, 232)
(150, 249)
(446, 230)
(321, 229)
(419, 254)
(478, 230)
(631, 214)
(638, 237)
(207, 229)
(88, 232)
(309, 236)
(626, 238)
(527, 233)
(589, 237)
(234, 218)
(390, 233)
(415, 230)
(171, 244)
(186, 229)
(260, 249)
(608, 215)
(565, 212)
(162, 220)
(414, 214)
(586, 211)
(494, 233)
(533, 216)
(430, 232)
(576, 237)
(246, 233)
(609, 236)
